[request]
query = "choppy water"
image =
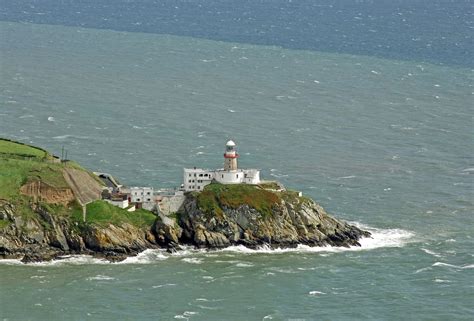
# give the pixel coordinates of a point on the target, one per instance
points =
(382, 142)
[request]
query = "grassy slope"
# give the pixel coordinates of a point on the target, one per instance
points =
(215, 196)
(21, 163)
(15, 148)
(102, 214)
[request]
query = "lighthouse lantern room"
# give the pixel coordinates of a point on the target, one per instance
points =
(230, 157)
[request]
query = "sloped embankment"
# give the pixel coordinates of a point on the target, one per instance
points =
(85, 188)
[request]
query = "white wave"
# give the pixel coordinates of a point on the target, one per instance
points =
(163, 285)
(72, 260)
(192, 260)
(11, 261)
(231, 110)
(423, 270)
(441, 281)
(346, 177)
(62, 137)
(50, 118)
(26, 116)
(442, 264)
(380, 238)
(100, 278)
(147, 256)
(316, 293)
(186, 315)
(430, 252)
(241, 264)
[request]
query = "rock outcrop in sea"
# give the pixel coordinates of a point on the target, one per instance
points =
(287, 222)
(43, 206)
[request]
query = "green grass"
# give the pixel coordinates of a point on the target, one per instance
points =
(269, 185)
(4, 223)
(20, 149)
(102, 214)
(175, 216)
(216, 196)
(16, 172)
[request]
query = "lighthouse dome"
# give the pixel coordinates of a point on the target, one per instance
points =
(230, 143)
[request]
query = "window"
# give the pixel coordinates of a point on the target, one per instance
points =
(194, 174)
(199, 187)
(148, 193)
(148, 200)
(189, 181)
(135, 193)
(138, 200)
(237, 175)
(189, 174)
(222, 175)
(193, 180)
(200, 175)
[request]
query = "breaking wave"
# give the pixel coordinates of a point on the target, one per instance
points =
(381, 238)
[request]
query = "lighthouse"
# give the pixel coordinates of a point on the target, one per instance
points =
(195, 179)
(230, 156)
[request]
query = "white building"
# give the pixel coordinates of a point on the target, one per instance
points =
(122, 203)
(143, 197)
(141, 194)
(194, 179)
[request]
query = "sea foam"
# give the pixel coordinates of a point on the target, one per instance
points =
(380, 238)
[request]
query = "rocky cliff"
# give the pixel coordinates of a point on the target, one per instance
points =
(288, 221)
(44, 235)
(42, 201)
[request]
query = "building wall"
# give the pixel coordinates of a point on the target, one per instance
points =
(194, 179)
(251, 176)
(121, 203)
(141, 194)
(229, 177)
(171, 204)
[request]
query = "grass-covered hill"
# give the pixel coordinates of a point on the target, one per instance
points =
(31, 177)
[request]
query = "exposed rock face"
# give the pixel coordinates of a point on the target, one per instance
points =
(167, 231)
(39, 190)
(289, 225)
(45, 236)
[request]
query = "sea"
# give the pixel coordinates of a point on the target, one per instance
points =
(366, 106)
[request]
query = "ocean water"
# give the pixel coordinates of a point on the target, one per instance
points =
(380, 137)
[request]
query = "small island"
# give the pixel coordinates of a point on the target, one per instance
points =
(52, 207)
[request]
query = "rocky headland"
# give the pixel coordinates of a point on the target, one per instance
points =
(42, 218)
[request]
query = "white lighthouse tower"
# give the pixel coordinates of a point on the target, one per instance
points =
(230, 156)
(195, 179)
